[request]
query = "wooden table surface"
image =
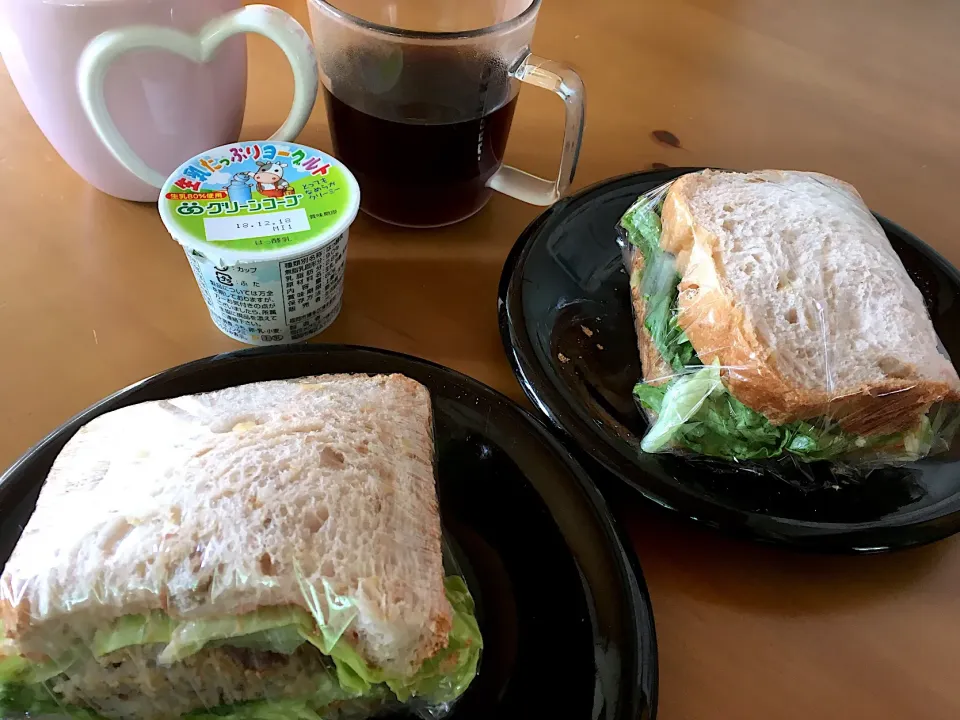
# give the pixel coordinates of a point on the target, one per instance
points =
(94, 295)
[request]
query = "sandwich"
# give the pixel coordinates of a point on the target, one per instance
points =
(775, 319)
(261, 552)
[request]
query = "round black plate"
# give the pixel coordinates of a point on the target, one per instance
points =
(566, 274)
(563, 608)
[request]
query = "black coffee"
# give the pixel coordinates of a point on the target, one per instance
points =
(423, 131)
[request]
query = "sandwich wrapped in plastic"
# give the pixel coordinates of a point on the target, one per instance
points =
(775, 321)
(263, 552)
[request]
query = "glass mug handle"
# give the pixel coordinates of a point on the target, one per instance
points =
(566, 83)
(265, 20)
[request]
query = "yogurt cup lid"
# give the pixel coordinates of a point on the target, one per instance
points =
(258, 201)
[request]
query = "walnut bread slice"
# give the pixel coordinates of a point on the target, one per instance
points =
(271, 543)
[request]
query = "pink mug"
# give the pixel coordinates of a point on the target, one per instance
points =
(126, 90)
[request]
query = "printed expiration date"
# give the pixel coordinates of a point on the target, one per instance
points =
(279, 225)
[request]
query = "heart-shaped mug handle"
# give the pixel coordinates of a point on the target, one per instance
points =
(264, 20)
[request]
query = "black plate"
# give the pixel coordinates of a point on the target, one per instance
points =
(565, 273)
(563, 608)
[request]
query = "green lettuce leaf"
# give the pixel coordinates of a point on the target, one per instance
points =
(130, 630)
(441, 678)
(272, 628)
(698, 413)
(39, 700)
(13, 668)
(681, 401)
(650, 396)
(21, 699)
(446, 675)
(659, 284)
(328, 691)
(725, 427)
(353, 673)
(661, 290)
(283, 640)
(919, 443)
(642, 225)
(16, 669)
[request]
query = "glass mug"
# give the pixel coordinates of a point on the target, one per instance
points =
(420, 97)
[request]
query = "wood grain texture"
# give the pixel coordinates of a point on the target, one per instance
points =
(94, 295)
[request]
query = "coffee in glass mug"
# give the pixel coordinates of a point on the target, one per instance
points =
(420, 98)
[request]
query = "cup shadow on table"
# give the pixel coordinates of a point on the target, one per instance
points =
(489, 231)
(440, 308)
(760, 578)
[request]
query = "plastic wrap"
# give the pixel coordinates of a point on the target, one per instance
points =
(258, 553)
(775, 335)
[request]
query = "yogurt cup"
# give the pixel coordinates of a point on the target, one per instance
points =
(264, 226)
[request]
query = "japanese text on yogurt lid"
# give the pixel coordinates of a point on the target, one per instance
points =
(241, 201)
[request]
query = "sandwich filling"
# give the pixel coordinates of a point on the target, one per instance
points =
(278, 662)
(693, 408)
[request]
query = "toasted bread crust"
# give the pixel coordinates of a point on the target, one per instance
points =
(14, 612)
(720, 331)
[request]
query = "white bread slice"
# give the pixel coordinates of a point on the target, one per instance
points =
(211, 505)
(791, 283)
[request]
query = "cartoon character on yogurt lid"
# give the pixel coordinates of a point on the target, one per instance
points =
(240, 188)
(270, 182)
